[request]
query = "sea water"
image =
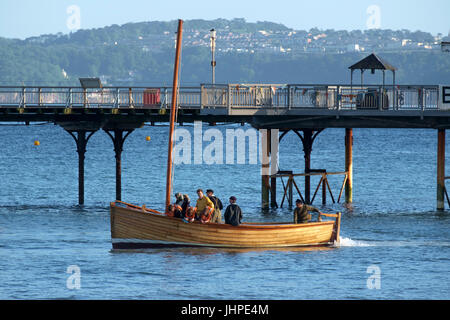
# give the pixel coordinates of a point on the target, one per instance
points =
(394, 244)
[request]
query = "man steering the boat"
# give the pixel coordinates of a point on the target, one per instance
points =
(301, 212)
(205, 207)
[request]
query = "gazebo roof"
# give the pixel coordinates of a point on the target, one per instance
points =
(372, 62)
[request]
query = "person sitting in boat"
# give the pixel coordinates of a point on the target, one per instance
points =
(202, 204)
(190, 214)
(179, 198)
(174, 210)
(217, 215)
(301, 212)
(170, 210)
(233, 213)
(186, 204)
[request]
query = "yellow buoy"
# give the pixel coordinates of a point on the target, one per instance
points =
(37, 143)
(147, 138)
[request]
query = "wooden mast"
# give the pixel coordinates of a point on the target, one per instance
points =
(173, 111)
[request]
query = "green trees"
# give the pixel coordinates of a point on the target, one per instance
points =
(142, 54)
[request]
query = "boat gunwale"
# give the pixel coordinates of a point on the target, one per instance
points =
(250, 225)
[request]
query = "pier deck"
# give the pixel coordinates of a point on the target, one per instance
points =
(270, 106)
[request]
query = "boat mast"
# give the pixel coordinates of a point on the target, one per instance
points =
(173, 111)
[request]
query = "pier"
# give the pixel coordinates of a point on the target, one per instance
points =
(304, 109)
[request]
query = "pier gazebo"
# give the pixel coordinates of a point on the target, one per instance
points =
(372, 62)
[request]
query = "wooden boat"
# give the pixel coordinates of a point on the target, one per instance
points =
(140, 227)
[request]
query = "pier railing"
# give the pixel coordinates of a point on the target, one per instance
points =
(288, 96)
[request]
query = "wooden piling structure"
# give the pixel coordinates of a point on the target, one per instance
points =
(349, 165)
(291, 193)
(441, 169)
(288, 187)
(273, 192)
(308, 137)
(274, 152)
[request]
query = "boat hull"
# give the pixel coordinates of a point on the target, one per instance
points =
(134, 227)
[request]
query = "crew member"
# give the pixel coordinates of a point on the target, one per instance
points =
(186, 204)
(218, 206)
(202, 204)
(301, 210)
(233, 213)
(179, 199)
(174, 210)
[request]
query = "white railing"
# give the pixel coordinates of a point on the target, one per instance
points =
(290, 96)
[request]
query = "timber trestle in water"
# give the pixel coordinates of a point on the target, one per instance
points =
(303, 109)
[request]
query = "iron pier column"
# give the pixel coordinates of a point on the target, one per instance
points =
(118, 138)
(81, 140)
(307, 149)
(441, 169)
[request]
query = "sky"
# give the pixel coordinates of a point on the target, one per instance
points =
(26, 18)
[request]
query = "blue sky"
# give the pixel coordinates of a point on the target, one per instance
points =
(26, 18)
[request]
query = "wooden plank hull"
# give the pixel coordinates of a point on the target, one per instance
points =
(137, 227)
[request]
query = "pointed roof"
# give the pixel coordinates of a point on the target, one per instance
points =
(372, 62)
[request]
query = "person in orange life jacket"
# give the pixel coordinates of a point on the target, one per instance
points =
(174, 210)
(190, 214)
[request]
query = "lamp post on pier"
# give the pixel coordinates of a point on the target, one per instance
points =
(213, 49)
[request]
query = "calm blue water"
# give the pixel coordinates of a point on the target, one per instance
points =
(392, 225)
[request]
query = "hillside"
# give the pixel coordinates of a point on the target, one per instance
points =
(142, 54)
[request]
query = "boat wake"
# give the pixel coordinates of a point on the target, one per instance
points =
(347, 242)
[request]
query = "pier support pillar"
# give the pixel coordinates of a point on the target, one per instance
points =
(269, 151)
(81, 132)
(307, 149)
(349, 165)
(441, 169)
(309, 135)
(265, 169)
(81, 138)
(118, 138)
(273, 193)
(274, 153)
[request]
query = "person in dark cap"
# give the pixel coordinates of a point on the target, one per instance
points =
(301, 212)
(218, 206)
(185, 205)
(179, 198)
(233, 213)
